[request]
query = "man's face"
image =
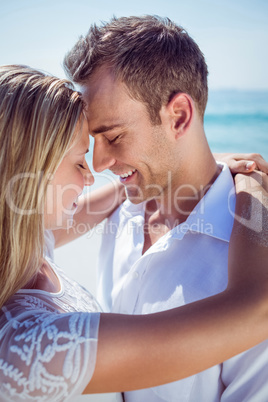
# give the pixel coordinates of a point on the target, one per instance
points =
(126, 142)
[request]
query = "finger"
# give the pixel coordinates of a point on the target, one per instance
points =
(262, 165)
(249, 166)
(242, 166)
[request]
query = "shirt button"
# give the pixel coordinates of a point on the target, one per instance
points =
(135, 275)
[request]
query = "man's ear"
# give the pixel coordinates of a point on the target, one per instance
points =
(180, 110)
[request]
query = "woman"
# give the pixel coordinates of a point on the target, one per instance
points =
(54, 342)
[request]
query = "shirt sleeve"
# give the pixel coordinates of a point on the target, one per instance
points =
(46, 356)
(246, 376)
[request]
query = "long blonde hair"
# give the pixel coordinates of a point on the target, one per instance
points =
(38, 117)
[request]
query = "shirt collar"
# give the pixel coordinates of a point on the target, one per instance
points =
(214, 214)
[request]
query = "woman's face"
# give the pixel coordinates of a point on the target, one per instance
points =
(67, 183)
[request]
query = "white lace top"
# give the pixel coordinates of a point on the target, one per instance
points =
(48, 342)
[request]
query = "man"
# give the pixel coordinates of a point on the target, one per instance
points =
(144, 81)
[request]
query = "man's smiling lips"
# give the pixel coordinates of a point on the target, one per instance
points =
(126, 176)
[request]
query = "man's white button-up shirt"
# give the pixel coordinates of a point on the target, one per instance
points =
(188, 263)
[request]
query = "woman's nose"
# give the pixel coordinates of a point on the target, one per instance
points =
(88, 176)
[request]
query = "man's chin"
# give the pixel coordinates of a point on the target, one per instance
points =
(134, 198)
(138, 198)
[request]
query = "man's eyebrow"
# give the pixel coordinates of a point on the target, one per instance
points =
(104, 129)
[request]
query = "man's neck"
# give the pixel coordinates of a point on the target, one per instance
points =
(178, 203)
(184, 194)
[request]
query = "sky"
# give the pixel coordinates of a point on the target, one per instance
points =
(233, 34)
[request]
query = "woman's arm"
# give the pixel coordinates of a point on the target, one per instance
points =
(144, 351)
(92, 209)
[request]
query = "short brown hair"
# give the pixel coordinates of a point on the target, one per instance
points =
(152, 56)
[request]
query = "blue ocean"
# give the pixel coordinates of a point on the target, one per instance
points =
(237, 121)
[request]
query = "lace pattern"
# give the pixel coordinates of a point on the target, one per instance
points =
(48, 343)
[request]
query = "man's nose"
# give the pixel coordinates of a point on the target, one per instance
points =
(102, 158)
